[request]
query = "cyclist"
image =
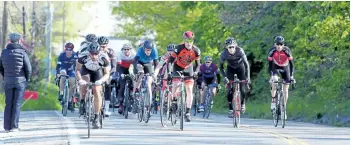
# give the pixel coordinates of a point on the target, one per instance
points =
(236, 64)
(84, 45)
(65, 66)
(163, 65)
(183, 56)
(280, 61)
(208, 71)
(124, 67)
(94, 68)
(145, 61)
(103, 42)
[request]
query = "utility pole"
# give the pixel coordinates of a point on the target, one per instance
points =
(24, 21)
(32, 31)
(4, 26)
(63, 25)
(48, 38)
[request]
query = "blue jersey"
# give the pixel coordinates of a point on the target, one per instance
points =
(66, 63)
(146, 59)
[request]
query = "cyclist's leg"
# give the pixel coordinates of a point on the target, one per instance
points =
(203, 89)
(107, 95)
(120, 97)
(139, 77)
(274, 77)
(83, 89)
(240, 71)
(148, 68)
(72, 87)
(230, 76)
(214, 89)
(286, 78)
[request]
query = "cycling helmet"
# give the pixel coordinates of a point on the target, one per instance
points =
(127, 45)
(279, 40)
(94, 47)
(188, 35)
(208, 58)
(102, 40)
(69, 46)
(171, 47)
(148, 45)
(91, 38)
(230, 41)
(14, 37)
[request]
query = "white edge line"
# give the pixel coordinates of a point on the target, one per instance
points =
(73, 136)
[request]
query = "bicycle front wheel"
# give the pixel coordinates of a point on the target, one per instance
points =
(164, 109)
(283, 108)
(65, 101)
(147, 107)
(237, 108)
(182, 110)
(126, 102)
(88, 113)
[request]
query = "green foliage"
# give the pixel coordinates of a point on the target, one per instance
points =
(318, 34)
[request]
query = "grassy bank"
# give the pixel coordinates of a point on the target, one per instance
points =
(316, 110)
(47, 100)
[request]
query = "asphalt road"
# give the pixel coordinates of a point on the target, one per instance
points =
(50, 127)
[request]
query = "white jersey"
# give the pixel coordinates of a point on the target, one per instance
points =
(83, 49)
(89, 64)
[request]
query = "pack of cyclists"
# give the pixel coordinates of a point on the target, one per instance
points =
(95, 62)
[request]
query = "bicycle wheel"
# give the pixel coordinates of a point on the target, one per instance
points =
(182, 110)
(275, 112)
(140, 106)
(65, 101)
(283, 107)
(165, 106)
(113, 97)
(147, 107)
(126, 102)
(174, 112)
(209, 108)
(237, 108)
(196, 97)
(88, 113)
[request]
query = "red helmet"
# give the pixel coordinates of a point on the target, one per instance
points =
(69, 46)
(188, 34)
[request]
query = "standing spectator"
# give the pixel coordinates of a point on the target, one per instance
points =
(16, 70)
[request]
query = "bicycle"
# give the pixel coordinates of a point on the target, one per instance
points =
(236, 101)
(89, 108)
(128, 99)
(165, 103)
(178, 105)
(157, 89)
(196, 91)
(144, 105)
(208, 102)
(280, 107)
(66, 96)
(114, 93)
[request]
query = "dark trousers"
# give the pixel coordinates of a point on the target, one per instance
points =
(14, 95)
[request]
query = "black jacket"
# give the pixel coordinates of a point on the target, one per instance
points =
(15, 66)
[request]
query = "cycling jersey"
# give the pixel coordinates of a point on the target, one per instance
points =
(83, 49)
(113, 60)
(234, 60)
(143, 58)
(94, 68)
(183, 59)
(209, 73)
(281, 60)
(66, 63)
(123, 62)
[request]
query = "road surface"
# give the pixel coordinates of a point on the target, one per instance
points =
(50, 127)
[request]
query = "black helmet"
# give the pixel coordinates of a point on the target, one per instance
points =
(230, 41)
(91, 38)
(102, 40)
(94, 47)
(171, 47)
(279, 40)
(14, 37)
(148, 45)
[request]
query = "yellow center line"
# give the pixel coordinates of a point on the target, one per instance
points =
(271, 133)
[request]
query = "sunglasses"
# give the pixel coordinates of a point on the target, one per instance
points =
(279, 44)
(91, 53)
(231, 47)
(189, 40)
(208, 62)
(126, 49)
(147, 49)
(103, 46)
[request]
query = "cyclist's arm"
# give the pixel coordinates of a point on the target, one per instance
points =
(217, 74)
(106, 68)
(247, 65)
(78, 68)
(113, 65)
(135, 63)
(221, 64)
(291, 63)
(270, 60)
(58, 65)
(155, 61)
